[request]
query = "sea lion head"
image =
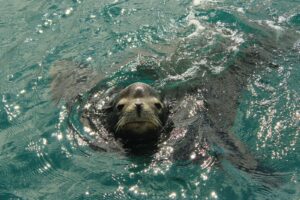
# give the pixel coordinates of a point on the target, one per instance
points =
(138, 113)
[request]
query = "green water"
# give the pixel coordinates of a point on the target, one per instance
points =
(39, 158)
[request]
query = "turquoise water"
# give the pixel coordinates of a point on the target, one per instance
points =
(40, 158)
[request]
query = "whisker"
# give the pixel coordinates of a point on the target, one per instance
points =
(119, 124)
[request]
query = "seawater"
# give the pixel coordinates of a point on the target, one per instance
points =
(40, 160)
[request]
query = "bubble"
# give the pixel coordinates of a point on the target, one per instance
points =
(204, 177)
(28, 40)
(193, 155)
(68, 11)
(173, 195)
(89, 59)
(213, 195)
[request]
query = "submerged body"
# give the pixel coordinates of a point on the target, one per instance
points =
(190, 119)
(202, 104)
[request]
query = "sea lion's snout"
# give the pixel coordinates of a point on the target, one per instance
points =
(139, 107)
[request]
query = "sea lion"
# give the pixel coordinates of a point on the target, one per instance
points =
(132, 117)
(137, 114)
(203, 102)
(188, 77)
(136, 118)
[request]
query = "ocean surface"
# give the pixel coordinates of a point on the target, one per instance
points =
(40, 156)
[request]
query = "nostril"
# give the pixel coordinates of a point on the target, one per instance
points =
(138, 106)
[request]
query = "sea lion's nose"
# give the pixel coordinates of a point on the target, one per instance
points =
(138, 107)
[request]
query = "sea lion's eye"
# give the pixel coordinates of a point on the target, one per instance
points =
(158, 105)
(120, 107)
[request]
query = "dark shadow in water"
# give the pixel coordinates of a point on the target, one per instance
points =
(203, 105)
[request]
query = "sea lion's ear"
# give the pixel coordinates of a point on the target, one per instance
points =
(164, 99)
(162, 96)
(109, 106)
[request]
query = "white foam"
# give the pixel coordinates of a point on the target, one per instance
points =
(188, 73)
(217, 69)
(281, 19)
(193, 21)
(201, 2)
(272, 25)
(241, 10)
(87, 129)
(197, 2)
